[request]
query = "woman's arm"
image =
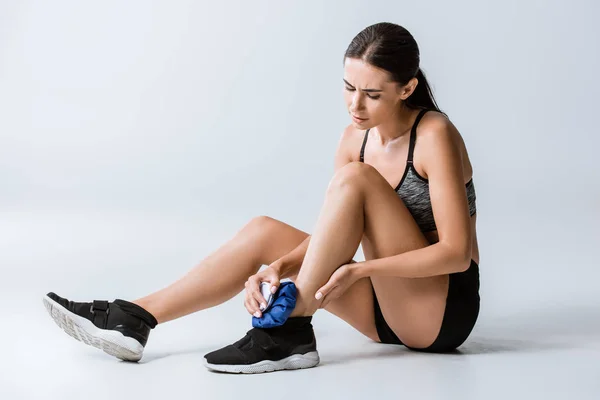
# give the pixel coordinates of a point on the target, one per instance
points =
(436, 259)
(440, 152)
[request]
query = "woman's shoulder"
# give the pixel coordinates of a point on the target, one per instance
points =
(436, 127)
(351, 140)
(436, 133)
(434, 121)
(351, 132)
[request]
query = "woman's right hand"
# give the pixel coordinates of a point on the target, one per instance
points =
(254, 298)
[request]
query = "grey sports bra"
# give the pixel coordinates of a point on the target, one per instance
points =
(413, 189)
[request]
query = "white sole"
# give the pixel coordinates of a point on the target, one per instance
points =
(296, 361)
(111, 342)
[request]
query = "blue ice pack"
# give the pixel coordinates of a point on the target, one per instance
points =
(282, 304)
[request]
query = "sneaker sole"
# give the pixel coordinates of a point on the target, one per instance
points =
(295, 361)
(111, 342)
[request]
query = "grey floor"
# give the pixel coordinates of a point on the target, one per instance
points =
(538, 335)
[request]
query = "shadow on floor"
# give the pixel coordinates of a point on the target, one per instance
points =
(536, 330)
(153, 356)
(531, 331)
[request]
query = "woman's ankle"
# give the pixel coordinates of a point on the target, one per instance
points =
(142, 309)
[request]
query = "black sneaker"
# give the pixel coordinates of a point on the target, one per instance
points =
(120, 328)
(290, 346)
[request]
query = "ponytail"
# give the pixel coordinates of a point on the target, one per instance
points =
(422, 97)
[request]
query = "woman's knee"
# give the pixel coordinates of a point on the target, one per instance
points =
(351, 174)
(261, 223)
(259, 228)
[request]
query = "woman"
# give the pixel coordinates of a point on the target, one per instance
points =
(402, 189)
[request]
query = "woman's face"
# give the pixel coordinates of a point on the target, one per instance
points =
(371, 97)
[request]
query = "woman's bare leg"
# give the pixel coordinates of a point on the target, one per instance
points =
(222, 274)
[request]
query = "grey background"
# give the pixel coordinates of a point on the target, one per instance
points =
(136, 137)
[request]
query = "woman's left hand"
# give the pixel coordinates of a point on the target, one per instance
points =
(341, 279)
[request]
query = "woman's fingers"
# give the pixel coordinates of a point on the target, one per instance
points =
(254, 289)
(247, 304)
(262, 302)
(251, 306)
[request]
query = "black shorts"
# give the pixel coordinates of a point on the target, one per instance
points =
(460, 315)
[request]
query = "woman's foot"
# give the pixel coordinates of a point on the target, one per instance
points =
(290, 346)
(119, 328)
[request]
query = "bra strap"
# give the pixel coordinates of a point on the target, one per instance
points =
(362, 149)
(413, 136)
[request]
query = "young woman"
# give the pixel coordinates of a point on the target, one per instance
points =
(402, 189)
